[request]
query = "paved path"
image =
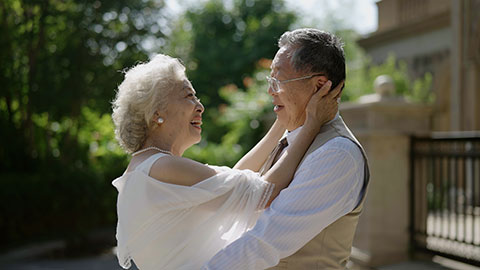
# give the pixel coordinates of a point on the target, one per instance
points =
(108, 261)
(97, 263)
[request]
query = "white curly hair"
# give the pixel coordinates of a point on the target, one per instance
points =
(143, 91)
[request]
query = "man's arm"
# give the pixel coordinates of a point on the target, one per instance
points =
(326, 187)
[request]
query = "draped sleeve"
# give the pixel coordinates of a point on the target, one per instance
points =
(167, 226)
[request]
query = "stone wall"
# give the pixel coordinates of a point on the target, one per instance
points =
(384, 124)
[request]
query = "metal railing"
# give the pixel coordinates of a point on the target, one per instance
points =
(445, 195)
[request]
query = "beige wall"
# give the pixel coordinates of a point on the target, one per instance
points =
(441, 37)
(465, 68)
(394, 13)
(385, 124)
(384, 127)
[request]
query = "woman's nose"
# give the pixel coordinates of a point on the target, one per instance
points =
(200, 107)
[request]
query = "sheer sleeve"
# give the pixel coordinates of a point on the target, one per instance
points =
(163, 225)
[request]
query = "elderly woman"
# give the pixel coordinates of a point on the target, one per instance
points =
(176, 213)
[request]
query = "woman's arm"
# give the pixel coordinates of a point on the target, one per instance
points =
(321, 108)
(255, 158)
(187, 172)
(180, 171)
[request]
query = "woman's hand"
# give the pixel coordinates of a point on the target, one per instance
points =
(322, 106)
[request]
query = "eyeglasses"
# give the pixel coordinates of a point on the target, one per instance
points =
(275, 83)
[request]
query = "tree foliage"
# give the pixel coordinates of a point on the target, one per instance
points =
(220, 46)
(59, 63)
(362, 77)
(245, 117)
(59, 67)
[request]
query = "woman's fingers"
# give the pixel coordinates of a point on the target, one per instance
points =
(335, 93)
(324, 89)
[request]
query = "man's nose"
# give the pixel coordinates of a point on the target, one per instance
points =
(270, 91)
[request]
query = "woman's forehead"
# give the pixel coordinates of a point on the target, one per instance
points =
(187, 86)
(186, 83)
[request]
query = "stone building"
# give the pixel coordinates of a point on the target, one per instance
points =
(441, 37)
(424, 192)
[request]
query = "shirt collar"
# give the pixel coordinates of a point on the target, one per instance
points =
(291, 135)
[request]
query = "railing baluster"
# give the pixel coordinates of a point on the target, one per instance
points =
(476, 195)
(440, 196)
(416, 185)
(434, 195)
(431, 194)
(476, 204)
(465, 200)
(451, 166)
(472, 213)
(424, 190)
(413, 192)
(445, 186)
(447, 195)
(457, 216)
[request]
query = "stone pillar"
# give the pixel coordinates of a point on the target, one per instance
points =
(384, 124)
(457, 64)
(465, 68)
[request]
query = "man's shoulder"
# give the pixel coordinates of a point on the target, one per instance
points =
(341, 145)
(340, 142)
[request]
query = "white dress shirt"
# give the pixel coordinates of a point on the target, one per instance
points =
(325, 187)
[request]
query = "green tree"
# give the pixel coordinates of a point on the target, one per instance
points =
(221, 45)
(58, 56)
(59, 63)
(224, 44)
(362, 77)
(245, 117)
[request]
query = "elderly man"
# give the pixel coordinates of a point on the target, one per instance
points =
(312, 222)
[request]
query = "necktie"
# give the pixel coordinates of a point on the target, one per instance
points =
(274, 156)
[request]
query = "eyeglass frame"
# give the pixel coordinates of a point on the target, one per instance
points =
(277, 82)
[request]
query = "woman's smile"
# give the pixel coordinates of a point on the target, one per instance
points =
(196, 123)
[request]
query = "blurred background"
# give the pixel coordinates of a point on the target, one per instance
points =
(411, 97)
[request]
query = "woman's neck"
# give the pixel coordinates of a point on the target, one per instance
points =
(164, 145)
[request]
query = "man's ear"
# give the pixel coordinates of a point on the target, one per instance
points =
(320, 81)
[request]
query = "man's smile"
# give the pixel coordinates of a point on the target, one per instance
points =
(278, 108)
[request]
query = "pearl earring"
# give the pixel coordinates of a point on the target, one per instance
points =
(160, 120)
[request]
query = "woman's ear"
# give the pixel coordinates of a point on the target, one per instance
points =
(157, 118)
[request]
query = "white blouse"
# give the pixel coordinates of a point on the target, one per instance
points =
(168, 226)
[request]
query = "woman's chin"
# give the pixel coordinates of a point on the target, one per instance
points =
(197, 139)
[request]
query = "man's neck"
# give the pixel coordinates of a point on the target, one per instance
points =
(334, 118)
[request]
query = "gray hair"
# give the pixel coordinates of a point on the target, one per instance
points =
(315, 51)
(142, 92)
